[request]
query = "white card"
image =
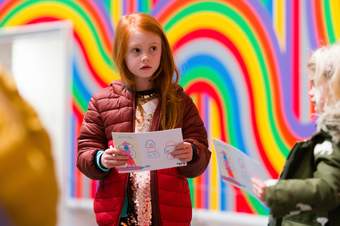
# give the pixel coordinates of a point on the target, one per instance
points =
(148, 150)
(236, 167)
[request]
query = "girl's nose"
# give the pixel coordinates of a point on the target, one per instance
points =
(145, 58)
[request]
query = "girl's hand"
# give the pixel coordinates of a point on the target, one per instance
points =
(183, 152)
(259, 188)
(113, 157)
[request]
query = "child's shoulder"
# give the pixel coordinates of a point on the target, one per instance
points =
(115, 89)
(183, 96)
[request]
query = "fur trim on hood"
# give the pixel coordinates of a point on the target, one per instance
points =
(329, 121)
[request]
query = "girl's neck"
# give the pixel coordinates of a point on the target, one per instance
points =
(145, 85)
(146, 92)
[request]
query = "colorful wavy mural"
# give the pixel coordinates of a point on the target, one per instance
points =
(241, 61)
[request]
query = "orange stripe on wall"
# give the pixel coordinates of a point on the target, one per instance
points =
(321, 33)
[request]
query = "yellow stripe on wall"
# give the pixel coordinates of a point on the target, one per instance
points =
(279, 22)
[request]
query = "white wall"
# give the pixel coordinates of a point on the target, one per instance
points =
(38, 66)
(39, 57)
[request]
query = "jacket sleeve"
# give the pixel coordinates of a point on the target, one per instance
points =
(194, 132)
(318, 194)
(91, 139)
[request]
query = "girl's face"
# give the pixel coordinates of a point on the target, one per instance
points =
(319, 95)
(143, 57)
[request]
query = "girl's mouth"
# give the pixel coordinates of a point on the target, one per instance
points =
(145, 67)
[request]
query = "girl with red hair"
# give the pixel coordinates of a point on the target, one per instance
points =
(147, 98)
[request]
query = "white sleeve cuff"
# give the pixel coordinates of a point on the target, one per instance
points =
(100, 166)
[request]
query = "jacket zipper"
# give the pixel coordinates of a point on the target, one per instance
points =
(133, 111)
(132, 130)
(154, 193)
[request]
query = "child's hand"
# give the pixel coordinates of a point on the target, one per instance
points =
(259, 188)
(183, 152)
(113, 157)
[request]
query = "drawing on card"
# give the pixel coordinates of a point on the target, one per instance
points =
(128, 149)
(150, 150)
(169, 147)
(229, 177)
(236, 167)
(150, 147)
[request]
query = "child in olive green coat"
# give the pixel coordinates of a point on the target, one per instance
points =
(308, 192)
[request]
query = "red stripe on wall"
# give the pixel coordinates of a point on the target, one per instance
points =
(131, 6)
(296, 58)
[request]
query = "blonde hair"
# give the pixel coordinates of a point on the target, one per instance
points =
(325, 67)
(165, 79)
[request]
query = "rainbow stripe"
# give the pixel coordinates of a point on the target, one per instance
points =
(241, 61)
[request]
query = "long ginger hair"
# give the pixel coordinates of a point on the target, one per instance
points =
(165, 79)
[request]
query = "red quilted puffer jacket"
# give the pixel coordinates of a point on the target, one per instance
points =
(113, 109)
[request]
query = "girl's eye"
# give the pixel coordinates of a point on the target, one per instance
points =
(135, 50)
(153, 48)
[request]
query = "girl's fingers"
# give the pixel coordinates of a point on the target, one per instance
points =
(180, 150)
(114, 163)
(177, 152)
(183, 152)
(183, 156)
(180, 146)
(184, 145)
(115, 156)
(120, 157)
(109, 151)
(258, 188)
